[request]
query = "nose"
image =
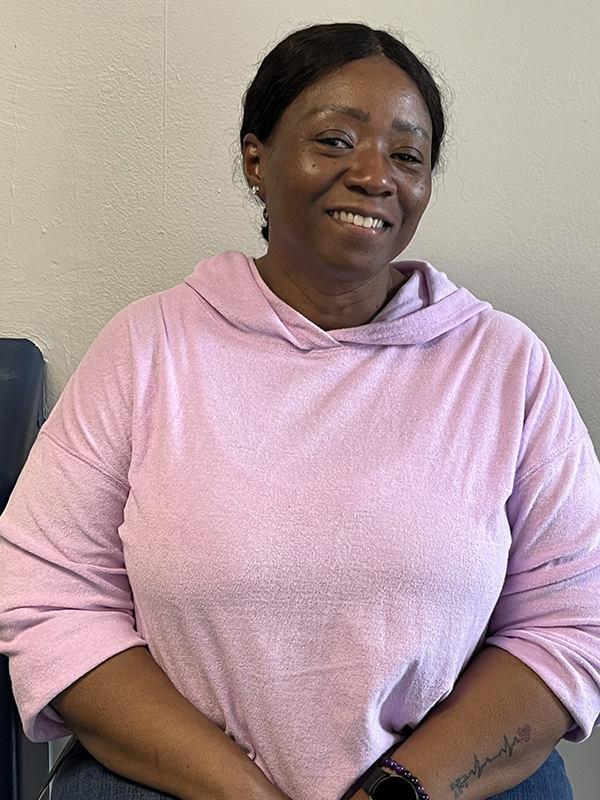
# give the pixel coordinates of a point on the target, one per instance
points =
(370, 172)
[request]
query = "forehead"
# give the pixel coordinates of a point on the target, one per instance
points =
(373, 85)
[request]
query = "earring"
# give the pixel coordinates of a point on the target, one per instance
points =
(255, 190)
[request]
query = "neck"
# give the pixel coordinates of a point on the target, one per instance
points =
(329, 303)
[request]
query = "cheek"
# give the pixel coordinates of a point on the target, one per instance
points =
(296, 176)
(421, 195)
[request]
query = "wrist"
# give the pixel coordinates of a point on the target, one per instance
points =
(419, 762)
(388, 779)
(396, 769)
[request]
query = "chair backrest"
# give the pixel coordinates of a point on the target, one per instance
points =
(23, 764)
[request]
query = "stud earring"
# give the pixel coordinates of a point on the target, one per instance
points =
(255, 190)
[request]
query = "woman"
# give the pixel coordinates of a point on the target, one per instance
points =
(294, 510)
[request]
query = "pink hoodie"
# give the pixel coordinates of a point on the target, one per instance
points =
(312, 531)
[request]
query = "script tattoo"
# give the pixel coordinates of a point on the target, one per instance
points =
(462, 782)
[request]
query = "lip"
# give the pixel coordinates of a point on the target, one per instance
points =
(363, 213)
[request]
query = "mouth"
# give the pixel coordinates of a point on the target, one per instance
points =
(359, 220)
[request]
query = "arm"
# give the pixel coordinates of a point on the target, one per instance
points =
(502, 718)
(71, 623)
(131, 718)
(497, 726)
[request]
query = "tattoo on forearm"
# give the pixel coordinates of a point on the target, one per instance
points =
(462, 782)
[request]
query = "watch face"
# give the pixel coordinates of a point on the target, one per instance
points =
(393, 787)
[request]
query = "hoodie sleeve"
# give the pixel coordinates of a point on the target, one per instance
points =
(66, 604)
(548, 614)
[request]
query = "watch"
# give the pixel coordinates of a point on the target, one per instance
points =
(380, 785)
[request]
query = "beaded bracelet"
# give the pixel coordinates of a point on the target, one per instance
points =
(407, 775)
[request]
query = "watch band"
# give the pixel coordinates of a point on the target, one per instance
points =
(373, 776)
(380, 785)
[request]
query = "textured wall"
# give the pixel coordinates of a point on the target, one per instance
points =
(118, 131)
(117, 158)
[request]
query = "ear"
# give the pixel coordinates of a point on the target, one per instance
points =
(253, 153)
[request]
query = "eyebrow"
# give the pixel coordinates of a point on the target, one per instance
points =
(398, 125)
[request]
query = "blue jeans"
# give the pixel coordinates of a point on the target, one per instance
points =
(81, 777)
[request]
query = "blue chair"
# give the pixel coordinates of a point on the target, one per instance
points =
(23, 764)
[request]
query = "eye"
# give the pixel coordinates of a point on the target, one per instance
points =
(410, 158)
(335, 141)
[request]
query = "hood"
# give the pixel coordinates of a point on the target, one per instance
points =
(426, 306)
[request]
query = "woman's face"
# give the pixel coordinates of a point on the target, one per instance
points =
(346, 174)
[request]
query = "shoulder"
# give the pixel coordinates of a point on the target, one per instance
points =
(509, 334)
(517, 347)
(170, 312)
(144, 318)
(511, 348)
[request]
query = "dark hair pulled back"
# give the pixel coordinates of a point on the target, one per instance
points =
(310, 53)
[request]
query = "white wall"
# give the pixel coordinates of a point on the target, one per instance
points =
(118, 125)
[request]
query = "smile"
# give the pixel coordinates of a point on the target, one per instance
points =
(358, 219)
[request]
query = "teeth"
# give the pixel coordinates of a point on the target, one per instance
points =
(358, 219)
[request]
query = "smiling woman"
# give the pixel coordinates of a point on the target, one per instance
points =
(354, 146)
(320, 524)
